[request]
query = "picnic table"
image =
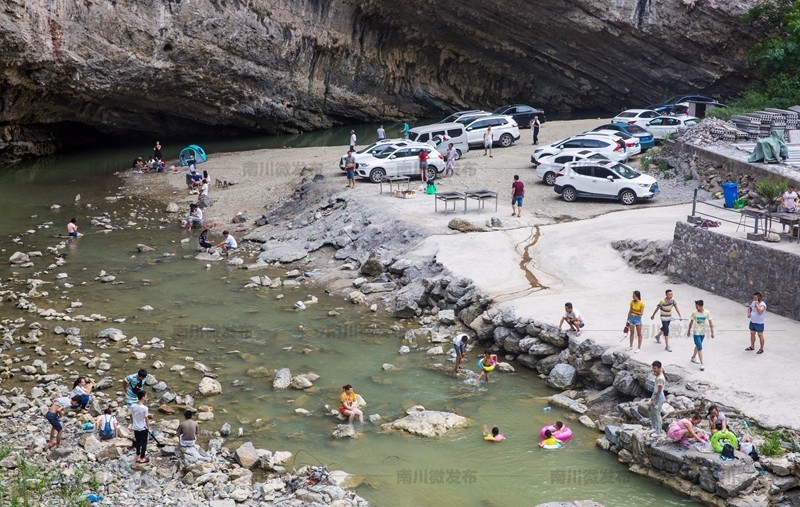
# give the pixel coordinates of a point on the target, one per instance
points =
(396, 179)
(481, 196)
(448, 197)
(792, 220)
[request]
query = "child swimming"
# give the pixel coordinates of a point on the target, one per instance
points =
(486, 365)
(494, 436)
(549, 441)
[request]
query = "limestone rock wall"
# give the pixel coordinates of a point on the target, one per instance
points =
(735, 268)
(76, 69)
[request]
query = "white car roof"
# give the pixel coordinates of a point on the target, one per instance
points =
(637, 111)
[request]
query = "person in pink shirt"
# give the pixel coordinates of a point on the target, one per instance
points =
(72, 228)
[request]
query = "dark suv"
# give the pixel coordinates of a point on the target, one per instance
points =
(521, 113)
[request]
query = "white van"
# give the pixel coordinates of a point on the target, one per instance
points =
(439, 135)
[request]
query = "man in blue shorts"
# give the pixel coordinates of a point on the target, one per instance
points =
(460, 346)
(755, 312)
(517, 194)
(700, 318)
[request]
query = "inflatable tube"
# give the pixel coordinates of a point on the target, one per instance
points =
(550, 446)
(716, 445)
(485, 368)
(490, 438)
(564, 434)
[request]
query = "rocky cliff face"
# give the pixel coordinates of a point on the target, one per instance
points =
(75, 69)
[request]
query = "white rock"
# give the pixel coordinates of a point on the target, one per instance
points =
(209, 386)
(146, 308)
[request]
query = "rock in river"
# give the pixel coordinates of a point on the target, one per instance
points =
(209, 386)
(426, 423)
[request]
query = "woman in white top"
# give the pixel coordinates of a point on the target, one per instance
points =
(107, 419)
(83, 389)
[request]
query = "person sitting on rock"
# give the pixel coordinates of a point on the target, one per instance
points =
(680, 431)
(187, 430)
(228, 244)
(203, 242)
(82, 390)
(716, 420)
(72, 228)
(106, 426)
(348, 404)
(195, 216)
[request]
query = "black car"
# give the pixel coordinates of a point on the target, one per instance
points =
(521, 113)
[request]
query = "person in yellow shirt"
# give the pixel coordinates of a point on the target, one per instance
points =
(634, 325)
(549, 440)
(348, 404)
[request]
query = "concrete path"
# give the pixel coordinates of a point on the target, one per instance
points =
(575, 262)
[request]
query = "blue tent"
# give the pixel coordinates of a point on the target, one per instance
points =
(192, 153)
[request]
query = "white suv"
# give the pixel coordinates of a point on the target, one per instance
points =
(373, 148)
(504, 130)
(399, 160)
(602, 143)
(548, 167)
(604, 179)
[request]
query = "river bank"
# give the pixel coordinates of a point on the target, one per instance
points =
(376, 268)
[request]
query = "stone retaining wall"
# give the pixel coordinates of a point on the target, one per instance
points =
(735, 268)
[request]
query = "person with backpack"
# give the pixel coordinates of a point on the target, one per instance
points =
(106, 425)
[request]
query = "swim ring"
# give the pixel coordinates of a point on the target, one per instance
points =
(716, 445)
(490, 438)
(551, 446)
(486, 368)
(564, 434)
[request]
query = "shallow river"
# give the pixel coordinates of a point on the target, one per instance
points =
(252, 329)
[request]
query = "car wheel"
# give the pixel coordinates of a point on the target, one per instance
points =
(627, 197)
(377, 175)
(506, 140)
(432, 173)
(550, 178)
(458, 154)
(569, 194)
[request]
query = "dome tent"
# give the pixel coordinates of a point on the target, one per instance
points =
(192, 153)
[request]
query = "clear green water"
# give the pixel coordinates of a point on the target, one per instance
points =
(254, 329)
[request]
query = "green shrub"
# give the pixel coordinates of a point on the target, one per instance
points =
(772, 444)
(771, 187)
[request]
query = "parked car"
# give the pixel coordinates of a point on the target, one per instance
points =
(399, 161)
(373, 148)
(458, 114)
(548, 167)
(635, 117)
(521, 113)
(666, 106)
(645, 137)
(665, 126)
(504, 130)
(604, 179)
(632, 144)
(468, 117)
(603, 143)
(439, 135)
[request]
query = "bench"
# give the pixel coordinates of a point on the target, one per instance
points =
(481, 196)
(396, 179)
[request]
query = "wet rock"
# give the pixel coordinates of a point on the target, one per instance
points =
(447, 317)
(209, 386)
(560, 400)
(344, 431)
(426, 423)
(144, 248)
(19, 258)
(240, 218)
(172, 208)
(408, 300)
(369, 288)
(357, 297)
(283, 379)
(225, 430)
(301, 382)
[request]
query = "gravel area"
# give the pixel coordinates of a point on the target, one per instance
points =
(263, 178)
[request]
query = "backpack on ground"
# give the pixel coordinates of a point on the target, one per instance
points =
(107, 432)
(727, 452)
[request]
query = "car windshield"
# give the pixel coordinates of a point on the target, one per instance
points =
(413, 136)
(366, 150)
(626, 171)
(383, 151)
(451, 118)
(690, 123)
(635, 129)
(597, 156)
(500, 110)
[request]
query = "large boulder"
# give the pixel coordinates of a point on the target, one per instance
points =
(373, 265)
(426, 423)
(625, 382)
(281, 252)
(461, 225)
(246, 455)
(601, 374)
(19, 258)
(408, 299)
(209, 386)
(562, 376)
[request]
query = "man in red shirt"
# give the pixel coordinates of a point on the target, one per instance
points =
(517, 193)
(423, 165)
